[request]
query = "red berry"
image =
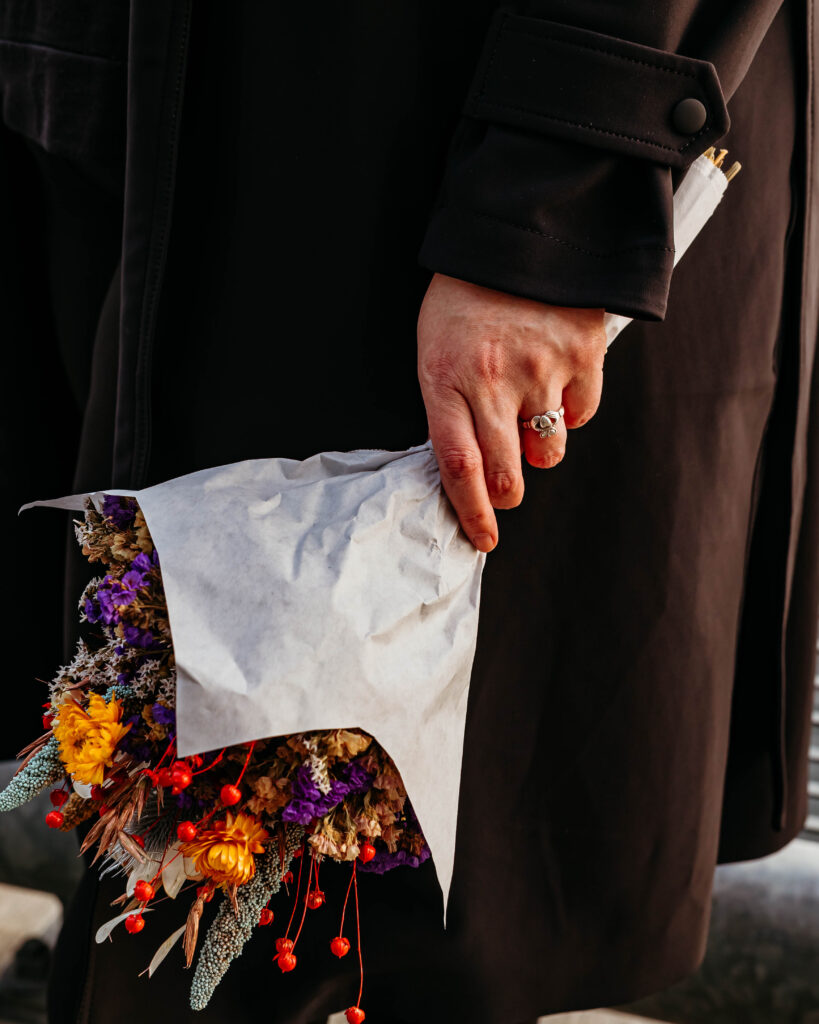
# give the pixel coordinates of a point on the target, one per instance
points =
(47, 720)
(54, 819)
(355, 1015)
(182, 776)
(231, 795)
(58, 797)
(314, 899)
(287, 878)
(186, 831)
(134, 923)
(287, 961)
(266, 916)
(164, 778)
(340, 946)
(144, 891)
(196, 761)
(96, 792)
(365, 855)
(284, 945)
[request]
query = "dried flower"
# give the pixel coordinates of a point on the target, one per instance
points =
(89, 737)
(225, 852)
(229, 932)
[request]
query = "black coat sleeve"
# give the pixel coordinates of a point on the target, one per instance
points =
(580, 120)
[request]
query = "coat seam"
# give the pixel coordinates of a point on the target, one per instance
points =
(31, 44)
(599, 49)
(153, 286)
(556, 238)
(602, 131)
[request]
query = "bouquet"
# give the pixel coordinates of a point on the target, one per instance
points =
(228, 824)
(232, 822)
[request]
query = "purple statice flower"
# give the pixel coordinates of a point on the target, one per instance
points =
(136, 636)
(91, 611)
(112, 594)
(119, 509)
(163, 715)
(385, 861)
(142, 563)
(308, 802)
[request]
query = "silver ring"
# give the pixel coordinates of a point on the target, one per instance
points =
(545, 423)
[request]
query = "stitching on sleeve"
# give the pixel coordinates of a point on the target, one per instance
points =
(602, 131)
(597, 49)
(480, 215)
(576, 124)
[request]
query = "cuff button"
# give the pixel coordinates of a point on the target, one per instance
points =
(689, 116)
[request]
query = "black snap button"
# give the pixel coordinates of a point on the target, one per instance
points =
(689, 116)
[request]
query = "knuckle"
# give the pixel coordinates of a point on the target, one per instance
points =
(437, 368)
(490, 365)
(473, 523)
(581, 418)
(547, 460)
(587, 349)
(458, 463)
(504, 487)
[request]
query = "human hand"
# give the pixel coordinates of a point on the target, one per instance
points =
(487, 359)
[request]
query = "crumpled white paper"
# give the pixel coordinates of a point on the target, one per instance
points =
(337, 592)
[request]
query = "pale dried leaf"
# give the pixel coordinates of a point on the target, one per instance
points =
(105, 930)
(164, 949)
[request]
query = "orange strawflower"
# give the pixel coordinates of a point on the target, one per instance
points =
(225, 852)
(89, 736)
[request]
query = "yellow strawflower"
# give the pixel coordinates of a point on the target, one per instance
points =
(89, 736)
(225, 852)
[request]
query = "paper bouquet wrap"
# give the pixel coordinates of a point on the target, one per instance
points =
(274, 670)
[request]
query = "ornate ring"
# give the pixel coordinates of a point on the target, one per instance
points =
(545, 423)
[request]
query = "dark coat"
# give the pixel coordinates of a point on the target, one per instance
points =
(293, 174)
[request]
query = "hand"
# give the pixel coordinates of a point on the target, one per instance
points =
(485, 359)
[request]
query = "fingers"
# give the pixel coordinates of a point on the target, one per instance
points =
(460, 461)
(581, 397)
(499, 441)
(544, 452)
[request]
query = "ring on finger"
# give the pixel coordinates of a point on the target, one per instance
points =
(545, 423)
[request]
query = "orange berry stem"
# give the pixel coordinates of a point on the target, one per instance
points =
(207, 817)
(358, 937)
(213, 763)
(247, 762)
(296, 900)
(304, 909)
(167, 751)
(346, 898)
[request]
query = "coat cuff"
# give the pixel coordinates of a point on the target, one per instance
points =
(558, 184)
(522, 260)
(579, 85)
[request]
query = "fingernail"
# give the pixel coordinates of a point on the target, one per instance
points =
(483, 542)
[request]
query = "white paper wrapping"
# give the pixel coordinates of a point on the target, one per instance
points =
(337, 592)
